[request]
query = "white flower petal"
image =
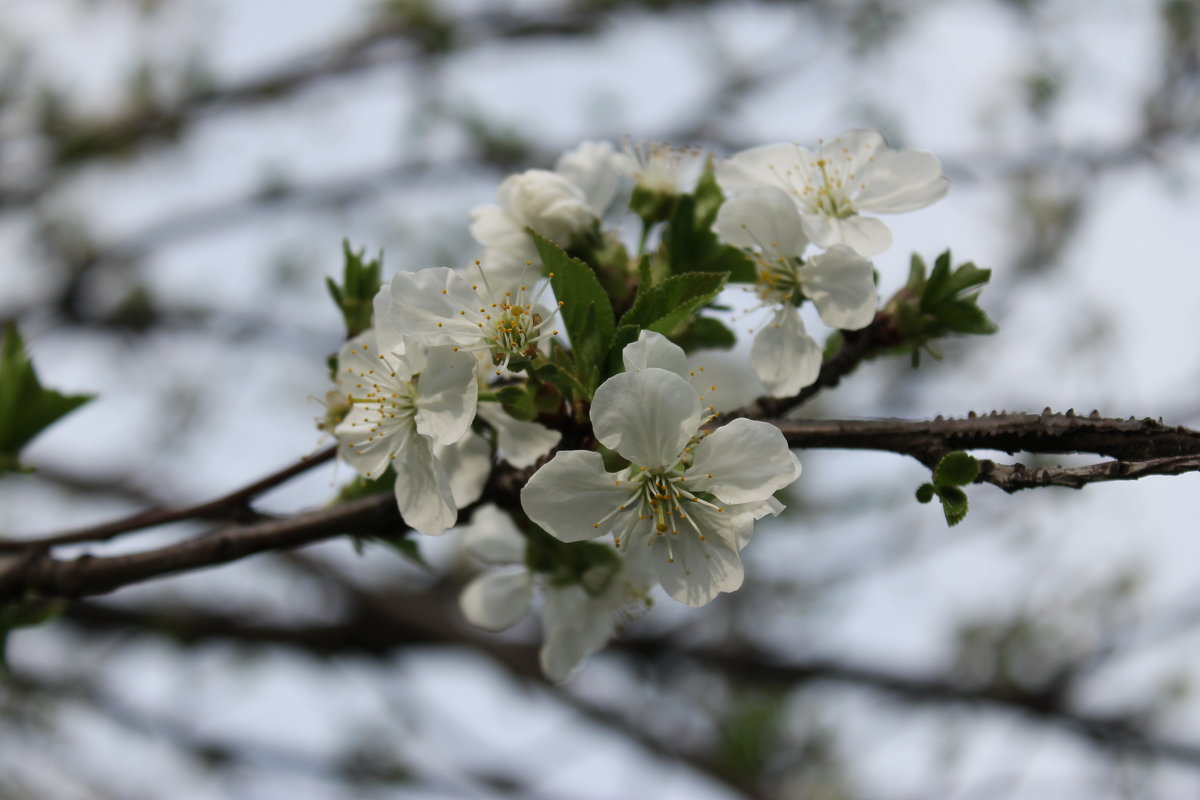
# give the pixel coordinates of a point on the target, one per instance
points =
(497, 599)
(572, 492)
(866, 236)
(575, 625)
(655, 350)
(763, 218)
(360, 444)
(901, 180)
(823, 230)
(467, 463)
(784, 356)
(358, 357)
(447, 391)
(600, 172)
(735, 382)
(748, 461)
(852, 152)
(771, 506)
(547, 202)
(507, 246)
(389, 339)
(521, 443)
(842, 284)
(422, 489)
(646, 416)
(784, 165)
(491, 536)
(493, 227)
(693, 571)
(436, 305)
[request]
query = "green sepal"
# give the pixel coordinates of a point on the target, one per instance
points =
(26, 407)
(586, 310)
(567, 563)
(355, 295)
(956, 469)
(518, 402)
(652, 205)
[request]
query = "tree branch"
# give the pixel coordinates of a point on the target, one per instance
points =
(233, 506)
(1154, 449)
(929, 440)
(363, 633)
(36, 572)
(857, 347)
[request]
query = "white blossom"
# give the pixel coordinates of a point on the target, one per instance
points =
(687, 502)
(856, 172)
(401, 407)
(546, 202)
(578, 617)
(658, 167)
(767, 225)
(601, 173)
(439, 307)
(520, 443)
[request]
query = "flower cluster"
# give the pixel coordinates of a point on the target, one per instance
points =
(562, 330)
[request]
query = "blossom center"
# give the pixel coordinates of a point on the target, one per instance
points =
(387, 403)
(830, 197)
(658, 496)
(507, 325)
(779, 280)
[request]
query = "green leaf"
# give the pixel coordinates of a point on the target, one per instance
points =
(924, 492)
(586, 309)
(965, 316)
(691, 246)
(405, 545)
(916, 274)
(956, 469)
(26, 408)
(704, 333)
(954, 503)
(664, 308)
(355, 296)
(561, 372)
(645, 273)
(625, 335)
(361, 487)
(708, 197)
(938, 287)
